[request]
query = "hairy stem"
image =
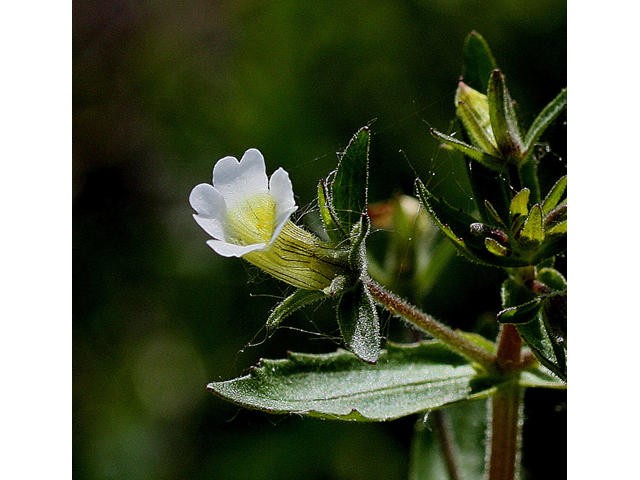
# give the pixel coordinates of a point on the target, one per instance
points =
(505, 422)
(509, 349)
(505, 433)
(410, 313)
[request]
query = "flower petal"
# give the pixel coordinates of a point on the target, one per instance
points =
(208, 202)
(282, 192)
(211, 209)
(230, 250)
(234, 180)
(212, 226)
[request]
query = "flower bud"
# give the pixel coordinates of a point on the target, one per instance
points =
(472, 108)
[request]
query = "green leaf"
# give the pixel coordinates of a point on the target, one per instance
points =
(359, 323)
(292, 303)
(478, 62)
(541, 377)
(552, 279)
(474, 153)
(479, 340)
(536, 332)
(407, 379)
(503, 118)
(446, 217)
(555, 318)
(522, 313)
(537, 336)
(544, 119)
(328, 215)
(349, 184)
(555, 304)
(555, 194)
(358, 252)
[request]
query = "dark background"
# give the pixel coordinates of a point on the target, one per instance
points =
(164, 89)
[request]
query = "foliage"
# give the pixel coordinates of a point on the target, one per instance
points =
(511, 228)
(162, 89)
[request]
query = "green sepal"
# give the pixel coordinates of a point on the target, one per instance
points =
(496, 247)
(480, 137)
(489, 161)
(489, 187)
(478, 62)
(292, 303)
(359, 323)
(408, 379)
(532, 232)
(553, 245)
(557, 229)
(520, 203)
(458, 228)
(556, 216)
(493, 215)
(546, 263)
(328, 215)
(554, 196)
(448, 218)
(522, 313)
(455, 224)
(503, 119)
(546, 117)
(472, 108)
(349, 183)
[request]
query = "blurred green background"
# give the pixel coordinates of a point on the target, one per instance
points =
(164, 89)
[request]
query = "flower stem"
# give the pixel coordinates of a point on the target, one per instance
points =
(505, 432)
(505, 421)
(399, 307)
(509, 349)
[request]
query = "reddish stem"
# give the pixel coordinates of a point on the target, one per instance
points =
(509, 349)
(506, 410)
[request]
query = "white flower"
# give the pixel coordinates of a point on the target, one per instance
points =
(248, 214)
(243, 211)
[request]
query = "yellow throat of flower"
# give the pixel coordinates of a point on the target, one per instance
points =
(252, 221)
(296, 256)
